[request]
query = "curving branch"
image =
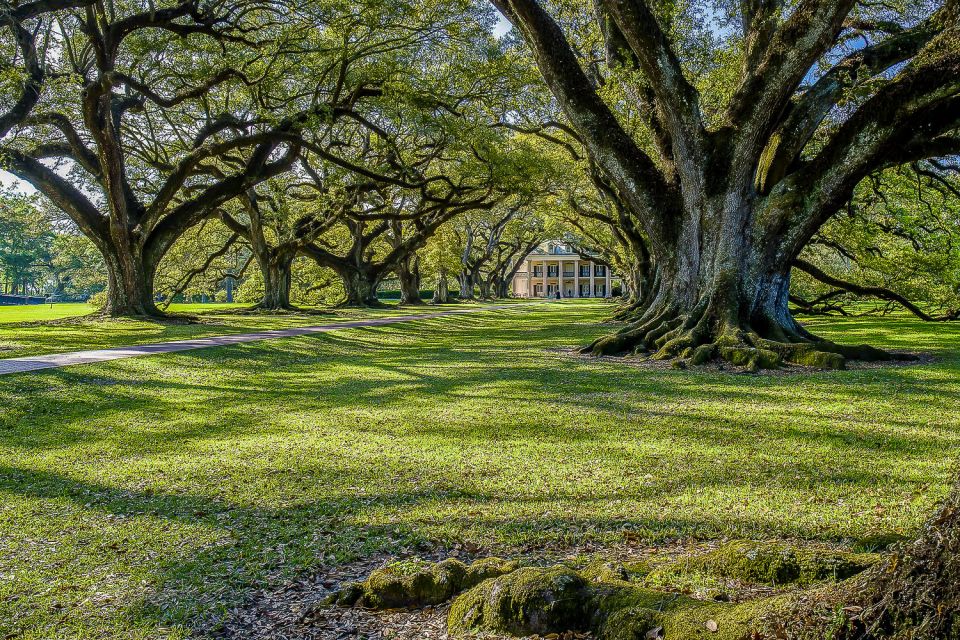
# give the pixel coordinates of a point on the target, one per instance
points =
(878, 292)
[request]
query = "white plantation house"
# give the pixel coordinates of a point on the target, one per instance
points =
(554, 266)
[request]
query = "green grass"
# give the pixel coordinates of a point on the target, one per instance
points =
(40, 312)
(144, 497)
(23, 332)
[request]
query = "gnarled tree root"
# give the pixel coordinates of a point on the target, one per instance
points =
(698, 337)
(609, 599)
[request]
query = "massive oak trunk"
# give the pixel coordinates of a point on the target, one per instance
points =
(726, 204)
(408, 272)
(129, 286)
(718, 292)
(360, 286)
(277, 277)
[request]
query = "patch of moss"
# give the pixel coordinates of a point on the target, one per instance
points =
(638, 568)
(414, 583)
(630, 623)
(702, 354)
(630, 612)
(527, 601)
(604, 571)
(819, 359)
(769, 563)
(486, 568)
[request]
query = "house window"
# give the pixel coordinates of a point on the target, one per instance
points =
(585, 291)
(585, 271)
(599, 270)
(553, 269)
(600, 291)
(538, 290)
(538, 270)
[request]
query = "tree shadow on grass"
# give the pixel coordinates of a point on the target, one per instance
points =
(440, 385)
(268, 544)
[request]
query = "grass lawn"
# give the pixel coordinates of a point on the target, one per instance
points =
(40, 312)
(23, 331)
(144, 497)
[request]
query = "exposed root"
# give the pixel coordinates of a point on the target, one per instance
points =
(700, 336)
(613, 600)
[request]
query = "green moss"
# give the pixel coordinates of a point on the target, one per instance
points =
(819, 359)
(628, 612)
(738, 356)
(702, 354)
(527, 601)
(630, 623)
(687, 620)
(415, 583)
(400, 587)
(768, 563)
(638, 568)
(486, 568)
(604, 571)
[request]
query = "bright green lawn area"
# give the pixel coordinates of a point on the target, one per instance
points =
(40, 312)
(22, 332)
(143, 497)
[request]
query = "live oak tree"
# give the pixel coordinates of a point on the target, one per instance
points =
(428, 166)
(527, 230)
(492, 245)
(370, 68)
(205, 263)
(730, 155)
(280, 218)
(150, 125)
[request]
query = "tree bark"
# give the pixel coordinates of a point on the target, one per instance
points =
(726, 209)
(360, 287)
(465, 279)
(441, 292)
(130, 276)
(408, 272)
(277, 278)
(723, 295)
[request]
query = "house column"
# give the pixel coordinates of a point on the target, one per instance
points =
(545, 271)
(576, 278)
(593, 269)
(529, 278)
(607, 271)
